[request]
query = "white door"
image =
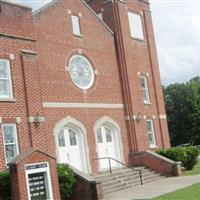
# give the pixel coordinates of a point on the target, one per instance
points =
(107, 147)
(70, 148)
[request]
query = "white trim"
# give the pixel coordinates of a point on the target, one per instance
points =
(113, 124)
(163, 116)
(90, 69)
(47, 170)
(8, 99)
(67, 121)
(18, 120)
(69, 12)
(11, 56)
(80, 105)
(33, 119)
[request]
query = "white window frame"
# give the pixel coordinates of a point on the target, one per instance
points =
(145, 90)
(152, 133)
(90, 67)
(136, 26)
(40, 170)
(76, 25)
(9, 96)
(16, 139)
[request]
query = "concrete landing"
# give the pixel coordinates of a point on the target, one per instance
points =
(154, 189)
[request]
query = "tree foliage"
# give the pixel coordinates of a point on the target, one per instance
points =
(5, 186)
(182, 103)
(187, 155)
(66, 179)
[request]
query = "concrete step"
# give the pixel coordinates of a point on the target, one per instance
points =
(120, 174)
(130, 185)
(130, 181)
(125, 178)
(115, 172)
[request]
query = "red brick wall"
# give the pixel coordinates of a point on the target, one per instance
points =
(16, 20)
(156, 162)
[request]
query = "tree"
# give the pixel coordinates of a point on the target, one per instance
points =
(182, 103)
(194, 86)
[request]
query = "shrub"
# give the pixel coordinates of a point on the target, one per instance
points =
(5, 186)
(187, 155)
(66, 179)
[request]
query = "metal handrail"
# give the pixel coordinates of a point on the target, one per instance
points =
(110, 167)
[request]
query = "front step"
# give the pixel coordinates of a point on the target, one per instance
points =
(125, 178)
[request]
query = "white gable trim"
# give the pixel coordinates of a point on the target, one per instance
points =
(81, 105)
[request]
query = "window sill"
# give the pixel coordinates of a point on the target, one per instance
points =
(153, 147)
(138, 39)
(8, 99)
(147, 103)
(77, 35)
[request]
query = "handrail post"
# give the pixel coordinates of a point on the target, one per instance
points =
(140, 172)
(110, 165)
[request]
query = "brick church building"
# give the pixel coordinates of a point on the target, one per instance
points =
(79, 80)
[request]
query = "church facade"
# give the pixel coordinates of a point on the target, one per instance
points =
(79, 80)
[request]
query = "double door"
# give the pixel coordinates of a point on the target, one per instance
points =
(70, 148)
(107, 147)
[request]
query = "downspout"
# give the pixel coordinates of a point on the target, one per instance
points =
(26, 101)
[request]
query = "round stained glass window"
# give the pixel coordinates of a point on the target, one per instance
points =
(81, 71)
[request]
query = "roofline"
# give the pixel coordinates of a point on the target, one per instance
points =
(16, 4)
(101, 21)
(20, 157)
(43, 8)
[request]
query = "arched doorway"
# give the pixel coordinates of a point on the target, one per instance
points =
(71, 144)
(108, 143)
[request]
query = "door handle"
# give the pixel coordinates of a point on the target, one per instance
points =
(106, 151)
(68, 157)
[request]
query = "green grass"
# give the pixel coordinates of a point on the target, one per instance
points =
(195, 171)
(189, 193)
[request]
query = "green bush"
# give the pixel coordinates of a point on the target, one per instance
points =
(66, 179)
(5, 186)
(187, 155)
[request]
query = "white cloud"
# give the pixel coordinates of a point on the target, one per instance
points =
(177, 30)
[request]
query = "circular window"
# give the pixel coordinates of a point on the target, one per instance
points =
(81, 71)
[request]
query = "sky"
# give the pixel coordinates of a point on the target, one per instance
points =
(177, 32)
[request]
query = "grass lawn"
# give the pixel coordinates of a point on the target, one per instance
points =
(195, 171)
(189, 193)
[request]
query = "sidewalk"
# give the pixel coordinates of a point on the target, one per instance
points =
(154, 189)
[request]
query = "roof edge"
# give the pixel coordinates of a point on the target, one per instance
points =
(44, 7)
(93, 12)
(20, 157)
(16, 4)
(88, 7)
